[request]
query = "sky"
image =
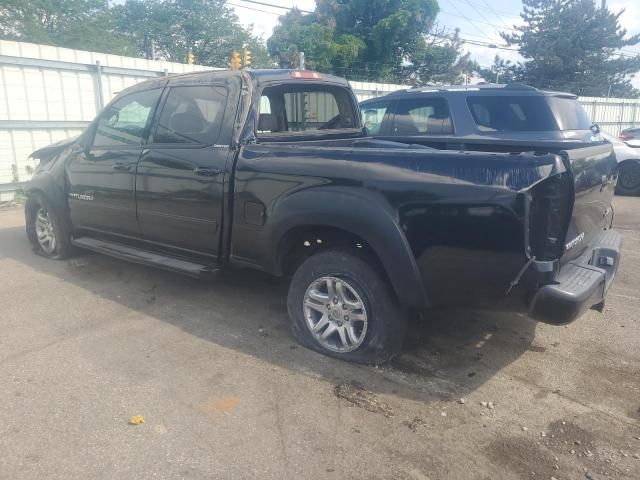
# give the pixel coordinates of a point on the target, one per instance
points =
(479, 20)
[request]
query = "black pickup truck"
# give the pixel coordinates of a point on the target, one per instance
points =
(272, 170)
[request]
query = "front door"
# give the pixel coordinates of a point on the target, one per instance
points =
(181, 173)
(102, 175)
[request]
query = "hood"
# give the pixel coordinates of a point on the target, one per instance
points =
(54, 148)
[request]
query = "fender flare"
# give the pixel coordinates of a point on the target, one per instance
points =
(46, 184)
(365, 214)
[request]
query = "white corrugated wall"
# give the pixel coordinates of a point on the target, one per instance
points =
(613, 114)
(50, 93)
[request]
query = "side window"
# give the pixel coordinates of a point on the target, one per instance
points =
(373, 115)
(192, 115)
(481, 116)
(126, 120)
(422, 116)
(500, 113)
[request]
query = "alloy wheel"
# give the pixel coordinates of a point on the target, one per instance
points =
(335, 314)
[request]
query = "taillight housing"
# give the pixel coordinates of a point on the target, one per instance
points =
(626, 136)
(549, 215)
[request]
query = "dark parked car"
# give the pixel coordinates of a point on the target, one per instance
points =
(484, 117)
(272, 170)
(495, 118)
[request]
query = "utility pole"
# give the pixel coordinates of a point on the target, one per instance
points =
(301, 64)
(246, 57)
(149, 47)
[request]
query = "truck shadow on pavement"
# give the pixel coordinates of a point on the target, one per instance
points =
(446, 356)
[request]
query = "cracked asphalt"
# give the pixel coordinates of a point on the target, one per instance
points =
(226, 393)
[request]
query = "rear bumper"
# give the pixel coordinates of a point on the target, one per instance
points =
(580, 284)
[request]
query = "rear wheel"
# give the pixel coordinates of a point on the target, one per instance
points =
(342, 306)
(45, 230)
(629, 179)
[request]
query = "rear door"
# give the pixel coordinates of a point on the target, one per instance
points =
(181, 177)
(102, 175)
(422, 116)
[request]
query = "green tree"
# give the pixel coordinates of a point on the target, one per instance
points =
(502, 71)
(86, 24)
(323, 49)
(439, 61)
(575, 45)
(206, 27)
(385, 40)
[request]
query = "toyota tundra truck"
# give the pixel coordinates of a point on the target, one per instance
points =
(273, 170)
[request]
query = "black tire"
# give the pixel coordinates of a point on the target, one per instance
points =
(629, 179)
(63, 248)
(386, 322)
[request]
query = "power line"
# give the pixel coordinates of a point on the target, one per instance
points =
(476, 42)
(477, 11)
(465, 17)
(486, 44)
(253, 9)
(494, 12)
(265, 4)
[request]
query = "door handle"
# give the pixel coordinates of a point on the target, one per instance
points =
(121, 166)
(206, 172)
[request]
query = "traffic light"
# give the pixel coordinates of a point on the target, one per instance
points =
(246, 57)
(190, 57)
(235, 61)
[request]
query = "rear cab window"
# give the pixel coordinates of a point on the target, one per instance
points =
(305, 109)
(520, 113)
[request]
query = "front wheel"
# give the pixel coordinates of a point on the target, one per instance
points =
(342, 306)
(629, 179)
(45, 230)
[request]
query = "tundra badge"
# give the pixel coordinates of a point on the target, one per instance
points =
(574, 242)
(81, 196)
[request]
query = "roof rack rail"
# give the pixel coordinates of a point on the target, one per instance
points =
(519, 86)
(402, 90)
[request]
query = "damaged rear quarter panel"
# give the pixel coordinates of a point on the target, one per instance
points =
(461, 214)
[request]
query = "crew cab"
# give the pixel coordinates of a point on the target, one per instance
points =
(272, 170)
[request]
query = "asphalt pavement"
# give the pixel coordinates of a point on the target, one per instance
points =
(227, 393)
